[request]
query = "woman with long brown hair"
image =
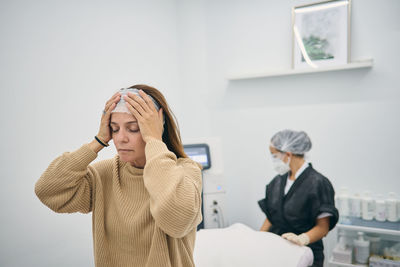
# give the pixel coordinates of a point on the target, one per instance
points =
(146, 201)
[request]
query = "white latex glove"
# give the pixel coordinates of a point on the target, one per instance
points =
(301, 240)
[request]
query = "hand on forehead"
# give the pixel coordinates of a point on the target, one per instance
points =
(121, 107)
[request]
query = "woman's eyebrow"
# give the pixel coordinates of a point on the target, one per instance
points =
(129, 122)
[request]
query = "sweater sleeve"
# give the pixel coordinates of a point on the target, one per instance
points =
(174, 188)
(67, 185)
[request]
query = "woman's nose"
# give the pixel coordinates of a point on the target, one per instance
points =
(122, 136)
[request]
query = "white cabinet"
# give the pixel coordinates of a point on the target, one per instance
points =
(388, 233)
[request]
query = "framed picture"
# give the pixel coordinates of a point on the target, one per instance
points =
(321, 34)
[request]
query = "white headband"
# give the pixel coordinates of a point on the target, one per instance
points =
(121, 107)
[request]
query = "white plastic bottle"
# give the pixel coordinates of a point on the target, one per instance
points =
(380, 208)
(391, 207)
(367, 206)
(342, 252)
(355, 205)
(374, 244)
(398, 209)
(343, 205)
(361, 249)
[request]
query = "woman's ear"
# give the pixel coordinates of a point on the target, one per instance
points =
(161, 115)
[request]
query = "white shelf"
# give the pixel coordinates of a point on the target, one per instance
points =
(334, 263)
(286, 72)
(368, 229)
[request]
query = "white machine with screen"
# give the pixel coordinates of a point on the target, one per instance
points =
(199, 153)
(204, 151)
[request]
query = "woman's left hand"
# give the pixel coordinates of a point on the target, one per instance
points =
(150, 120)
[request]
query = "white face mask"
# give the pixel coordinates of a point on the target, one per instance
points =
(280, 166)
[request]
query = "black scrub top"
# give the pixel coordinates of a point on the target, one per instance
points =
(296, 212)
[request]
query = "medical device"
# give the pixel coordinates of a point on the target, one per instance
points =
(199, 153)
(202, 150)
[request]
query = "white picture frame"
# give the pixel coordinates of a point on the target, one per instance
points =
(321, 34)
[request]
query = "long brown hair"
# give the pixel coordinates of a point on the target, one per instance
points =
(171, 136)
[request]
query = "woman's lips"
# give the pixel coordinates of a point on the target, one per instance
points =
(125, 150)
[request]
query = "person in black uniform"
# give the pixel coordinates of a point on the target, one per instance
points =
(299, 201)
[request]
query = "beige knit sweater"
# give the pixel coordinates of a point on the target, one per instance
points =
(141, 217)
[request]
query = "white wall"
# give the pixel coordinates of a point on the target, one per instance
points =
(59, 63)
(192, 56)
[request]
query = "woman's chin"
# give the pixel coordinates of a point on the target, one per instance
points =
(133, 161)
(125, 158)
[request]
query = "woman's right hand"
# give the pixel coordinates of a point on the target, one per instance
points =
(104, 131)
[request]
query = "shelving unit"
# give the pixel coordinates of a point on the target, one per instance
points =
(387, 230)
(286, 72)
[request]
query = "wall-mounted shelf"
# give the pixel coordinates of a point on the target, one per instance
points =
(353, 65)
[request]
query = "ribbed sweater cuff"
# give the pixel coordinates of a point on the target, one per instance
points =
(84, 155)
(155, 147)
